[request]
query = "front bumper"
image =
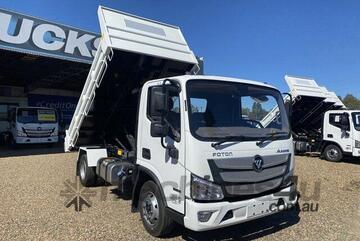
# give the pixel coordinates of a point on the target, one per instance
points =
(242, 211)
(356, 152)
(29, 140)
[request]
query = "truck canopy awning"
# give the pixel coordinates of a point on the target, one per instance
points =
(33, 71)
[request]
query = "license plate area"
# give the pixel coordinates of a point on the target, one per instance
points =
(260, 208)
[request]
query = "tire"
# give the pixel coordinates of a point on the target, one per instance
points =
(152, 211)
(333, 153)
(86, 173)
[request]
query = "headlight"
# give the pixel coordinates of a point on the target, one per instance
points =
(203, 190)
(20, 133)
(357, 144)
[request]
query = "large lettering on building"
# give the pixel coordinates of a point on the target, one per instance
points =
(32, 35)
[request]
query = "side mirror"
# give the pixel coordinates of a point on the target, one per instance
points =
(345, 123)
(158, 102)
(159, 129)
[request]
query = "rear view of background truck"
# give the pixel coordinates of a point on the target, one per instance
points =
(320, 121)
(185, 148)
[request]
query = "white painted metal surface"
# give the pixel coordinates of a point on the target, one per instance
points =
(131, 33)
(93, 154)
(332, 97)
(338, 102)
(300, 86)
(87, 96)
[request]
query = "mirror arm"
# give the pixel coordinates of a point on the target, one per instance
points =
(290, 108)
(162, 143)
(173, 130)
(172, 82)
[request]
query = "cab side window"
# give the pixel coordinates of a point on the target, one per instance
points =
(335, 120)
(173, 116)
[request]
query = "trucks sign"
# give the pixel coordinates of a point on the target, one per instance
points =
(31, 35)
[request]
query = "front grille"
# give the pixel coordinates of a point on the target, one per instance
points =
(238, 177)
(38, 133)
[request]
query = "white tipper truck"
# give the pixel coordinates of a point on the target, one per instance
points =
(185, 148)
(341, 134)
(321, 123)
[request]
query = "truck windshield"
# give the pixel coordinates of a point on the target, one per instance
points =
(356, 120)
(219, 109)
(33, 115)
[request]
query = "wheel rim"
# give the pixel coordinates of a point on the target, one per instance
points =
(333, 154)
(82, 171)
(150, 209)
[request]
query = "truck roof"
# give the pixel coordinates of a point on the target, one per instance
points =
(221, 78)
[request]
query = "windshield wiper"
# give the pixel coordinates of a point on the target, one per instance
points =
(272, 137)
(227, 139)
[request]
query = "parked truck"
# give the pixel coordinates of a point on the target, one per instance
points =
(321, 124)
(29, 125)
(185, 148)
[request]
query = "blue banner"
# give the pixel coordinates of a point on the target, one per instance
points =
(65, 105)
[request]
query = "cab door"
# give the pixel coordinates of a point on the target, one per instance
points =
(337, 134)
(170, 171)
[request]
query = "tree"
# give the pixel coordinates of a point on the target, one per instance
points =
(257, 113)
(351, 102)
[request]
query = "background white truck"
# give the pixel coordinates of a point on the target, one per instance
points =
(185, 148)
(321, 124)
(33, 125)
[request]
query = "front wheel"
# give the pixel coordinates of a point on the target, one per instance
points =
(152, 211)
(333, 153)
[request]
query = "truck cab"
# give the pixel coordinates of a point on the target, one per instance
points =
(219, 165)
(33, 125)
(341, 134)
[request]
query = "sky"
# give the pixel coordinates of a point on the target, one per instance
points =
(252, 39)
